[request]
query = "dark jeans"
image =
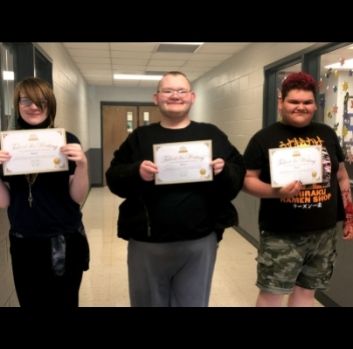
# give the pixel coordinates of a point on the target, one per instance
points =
(38, 282)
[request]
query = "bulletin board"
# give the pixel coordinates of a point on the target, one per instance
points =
(347, 134)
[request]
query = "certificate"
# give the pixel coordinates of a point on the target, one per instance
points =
(302, 164)
(34, 151)
(183, 162)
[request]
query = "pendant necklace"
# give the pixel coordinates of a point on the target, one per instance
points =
(31, 178)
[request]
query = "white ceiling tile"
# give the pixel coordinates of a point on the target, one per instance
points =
(209, 57)
(98, 61)
(230, 48)
(164, 68)
(126, 61)
(131, 54)
(78, 52)
(87, 45)
(133, 46)
(92, 60)
(133, 69)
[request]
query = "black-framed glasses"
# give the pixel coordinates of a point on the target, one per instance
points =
(169, 92)
(26, 102)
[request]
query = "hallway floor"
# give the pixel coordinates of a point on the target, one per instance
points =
(105, 284)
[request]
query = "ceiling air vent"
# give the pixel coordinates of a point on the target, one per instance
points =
(178, 48)
(154, 72)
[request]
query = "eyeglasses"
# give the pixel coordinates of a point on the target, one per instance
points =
(170, 92)
(27, 102)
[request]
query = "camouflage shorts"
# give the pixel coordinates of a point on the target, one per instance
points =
(306, 260)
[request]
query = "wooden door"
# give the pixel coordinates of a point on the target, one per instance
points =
(115, 130)
(153, 114)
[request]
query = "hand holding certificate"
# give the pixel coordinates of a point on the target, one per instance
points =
(302, 164)
(183, 162)
(34, 151)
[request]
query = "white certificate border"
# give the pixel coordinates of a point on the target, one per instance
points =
(209, 178)
(287, 149)
(61, 131)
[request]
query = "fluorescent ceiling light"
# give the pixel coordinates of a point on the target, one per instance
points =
(348, 64)
(8, 75)
(137, 77)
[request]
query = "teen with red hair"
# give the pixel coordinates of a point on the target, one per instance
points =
(297, 222)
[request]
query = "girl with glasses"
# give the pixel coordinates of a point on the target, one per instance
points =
(48, 245)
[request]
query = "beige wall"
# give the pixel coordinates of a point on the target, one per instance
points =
(71, 92)
(230, 96)
(8, 296)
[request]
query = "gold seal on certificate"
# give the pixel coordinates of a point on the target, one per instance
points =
(57, 161)
(34, 151)
(302, 164)
(183, 162)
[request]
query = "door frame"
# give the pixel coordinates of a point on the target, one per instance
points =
(310, 61)
(105, 103)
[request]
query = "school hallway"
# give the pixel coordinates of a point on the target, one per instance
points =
(105, 284)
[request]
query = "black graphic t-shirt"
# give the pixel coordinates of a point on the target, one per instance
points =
(315, 207)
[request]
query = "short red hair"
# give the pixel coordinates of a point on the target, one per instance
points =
(298, 81)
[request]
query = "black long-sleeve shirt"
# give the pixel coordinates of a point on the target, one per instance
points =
(175, 211)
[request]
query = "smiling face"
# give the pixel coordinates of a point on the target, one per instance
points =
(35, 103)
(32, 113)
(174, 98)
(298, 107)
